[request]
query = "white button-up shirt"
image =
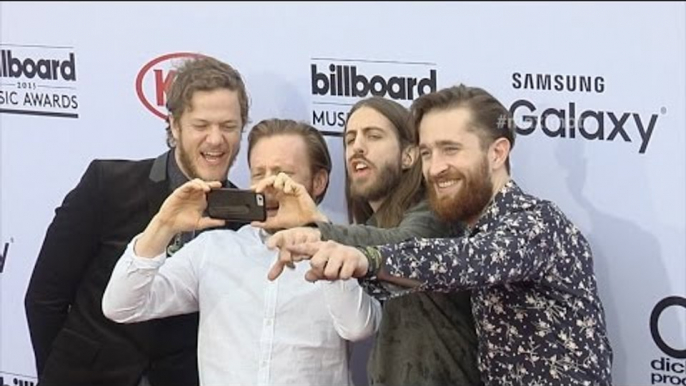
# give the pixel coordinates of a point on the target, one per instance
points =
(252, 331)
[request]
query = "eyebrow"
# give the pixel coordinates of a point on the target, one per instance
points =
(365, 129)
(447, 142)
(441, 143)
(277, 169)
(201, 120)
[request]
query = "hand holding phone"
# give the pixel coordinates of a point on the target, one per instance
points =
(236, 205)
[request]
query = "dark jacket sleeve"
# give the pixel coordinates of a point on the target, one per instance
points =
(69, 245)
(418, 221)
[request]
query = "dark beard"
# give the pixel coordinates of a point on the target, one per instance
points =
(185, 161)
(474, 194)
(389, 179)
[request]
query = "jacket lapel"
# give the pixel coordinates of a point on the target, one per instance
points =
(158, 187)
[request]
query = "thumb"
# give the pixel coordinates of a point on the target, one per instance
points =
(258, 224)
(268, 224)
(207, 222)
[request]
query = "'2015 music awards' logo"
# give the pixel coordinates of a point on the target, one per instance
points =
(155, 77)
(38, 80)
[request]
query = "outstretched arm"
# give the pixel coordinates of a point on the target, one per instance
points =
(144, 288)
(355, 314)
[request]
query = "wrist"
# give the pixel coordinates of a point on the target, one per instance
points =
(161, 226)
(374, 261)
(154, 239)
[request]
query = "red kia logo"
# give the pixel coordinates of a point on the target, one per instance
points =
(153, 81)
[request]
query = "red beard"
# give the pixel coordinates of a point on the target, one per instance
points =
(471, 198)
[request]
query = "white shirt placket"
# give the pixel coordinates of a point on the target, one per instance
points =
(267, 336)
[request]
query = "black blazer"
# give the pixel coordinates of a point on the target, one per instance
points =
(73, 342)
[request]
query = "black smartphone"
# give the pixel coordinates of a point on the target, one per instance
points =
(236, 205)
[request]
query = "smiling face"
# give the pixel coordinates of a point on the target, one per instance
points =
(373, 155)
(455, 165)
(208, 135)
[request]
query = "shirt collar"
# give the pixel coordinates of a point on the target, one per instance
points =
(499, 205)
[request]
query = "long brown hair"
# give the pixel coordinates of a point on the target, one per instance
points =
(410, 190)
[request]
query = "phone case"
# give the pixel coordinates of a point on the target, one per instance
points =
(236, 205)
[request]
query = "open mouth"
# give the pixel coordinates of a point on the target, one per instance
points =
(444, 186)
(360, 167)
(213, 157)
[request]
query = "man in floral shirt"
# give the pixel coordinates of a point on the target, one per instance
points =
(539, 318)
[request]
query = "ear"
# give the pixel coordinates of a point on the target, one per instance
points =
(321, 179)
(498, 153)
(409, 156)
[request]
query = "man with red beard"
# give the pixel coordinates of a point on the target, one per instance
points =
(424, 338)
(74, 343)
(539, 317)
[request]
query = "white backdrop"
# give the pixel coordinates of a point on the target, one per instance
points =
(623, 181)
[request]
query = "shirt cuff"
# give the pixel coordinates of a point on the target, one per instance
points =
(343, 285)
(143, 262)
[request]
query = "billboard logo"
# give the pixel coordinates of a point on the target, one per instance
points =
(345, 80)
(155, 77)
(38, 80)
(336, 84)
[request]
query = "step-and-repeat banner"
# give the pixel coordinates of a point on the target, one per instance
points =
(598, 90)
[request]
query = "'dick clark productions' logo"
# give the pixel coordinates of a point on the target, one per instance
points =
(336, 84)
(576, 120)
(670, 368)
(154, 78)
(38, 80)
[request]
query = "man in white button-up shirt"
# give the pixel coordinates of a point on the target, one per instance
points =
(252, 331)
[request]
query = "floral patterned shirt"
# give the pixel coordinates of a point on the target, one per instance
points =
(534, 296)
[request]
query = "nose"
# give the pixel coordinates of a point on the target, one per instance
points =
(434, 166)
(214, 135)
(359, 146)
